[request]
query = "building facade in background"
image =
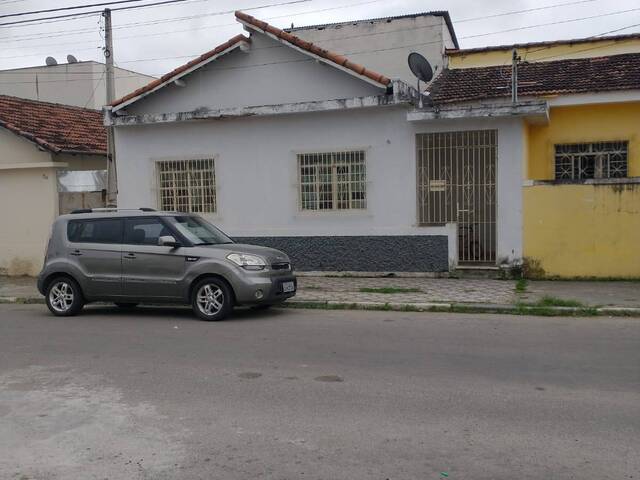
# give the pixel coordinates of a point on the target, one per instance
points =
(81, 84)
(52, 159)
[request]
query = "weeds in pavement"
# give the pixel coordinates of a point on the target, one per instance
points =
(549, 301)
(390, 290)
(521, 285)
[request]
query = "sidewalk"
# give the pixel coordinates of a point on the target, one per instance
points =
(544, 297)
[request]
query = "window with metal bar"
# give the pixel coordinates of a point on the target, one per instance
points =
(187, 185)
(580, 161)
(332, 181)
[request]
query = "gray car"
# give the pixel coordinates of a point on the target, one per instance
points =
(136, 256)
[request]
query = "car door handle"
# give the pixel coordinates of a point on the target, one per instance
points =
(130, 256)
(76, 253)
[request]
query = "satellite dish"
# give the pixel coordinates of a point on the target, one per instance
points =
(420, 67)
(71, 59)
(50, 61)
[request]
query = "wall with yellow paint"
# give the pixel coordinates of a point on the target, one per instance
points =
(584, 123)
(556, 51)
(583, 230)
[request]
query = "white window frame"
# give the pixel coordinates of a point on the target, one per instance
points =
(331, 159)
(570, 163)
(208, 195)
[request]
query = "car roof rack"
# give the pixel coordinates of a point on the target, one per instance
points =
(112, 209)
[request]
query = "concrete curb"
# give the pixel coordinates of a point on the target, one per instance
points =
(428, 307)
(467, 308)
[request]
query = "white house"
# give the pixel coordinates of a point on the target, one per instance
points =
(281, 142)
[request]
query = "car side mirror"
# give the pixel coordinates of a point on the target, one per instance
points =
(168, 241)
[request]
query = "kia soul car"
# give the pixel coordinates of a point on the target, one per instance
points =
(144, 256)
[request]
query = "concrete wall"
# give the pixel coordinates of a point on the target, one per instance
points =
(29, 200)
(257, 180)
(383, 46)
(81, 84)
(28, 205)
(558, 51)
(512, 151)
(584, 230)
(270, 73)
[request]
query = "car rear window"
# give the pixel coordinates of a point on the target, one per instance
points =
(106, 230)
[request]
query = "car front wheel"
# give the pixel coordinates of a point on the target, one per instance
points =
(212, 300)
(64, 297)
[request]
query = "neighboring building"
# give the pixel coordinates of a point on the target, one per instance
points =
(52, 158)
(501, 55)
(574, 146)
(282, 142)
(80, 83)
(383, 44)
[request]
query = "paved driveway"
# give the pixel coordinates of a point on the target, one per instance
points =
(317, 394)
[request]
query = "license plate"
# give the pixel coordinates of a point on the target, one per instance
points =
(288, 287)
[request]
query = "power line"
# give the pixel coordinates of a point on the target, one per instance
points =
(70, 15)
(77, 7)
(303, 13)
(414, 45)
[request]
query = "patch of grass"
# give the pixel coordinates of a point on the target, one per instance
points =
(521, 285)
(550, 301)
(390, 290)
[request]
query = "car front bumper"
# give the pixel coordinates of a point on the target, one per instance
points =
(258, 290)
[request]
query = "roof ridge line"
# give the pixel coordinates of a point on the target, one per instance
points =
(312, 48)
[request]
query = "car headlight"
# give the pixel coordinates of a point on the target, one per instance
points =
(246, 261)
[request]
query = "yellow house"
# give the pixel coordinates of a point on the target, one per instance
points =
(577, 109)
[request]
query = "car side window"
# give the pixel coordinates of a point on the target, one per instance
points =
(106, 230)
(144, 231)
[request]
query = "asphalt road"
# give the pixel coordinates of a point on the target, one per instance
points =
(302, 394)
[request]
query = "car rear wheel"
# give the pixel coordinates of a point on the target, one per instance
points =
(212, 299)
(64, 297)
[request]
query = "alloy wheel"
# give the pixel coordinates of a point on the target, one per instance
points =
(210, 299)
(61, 297)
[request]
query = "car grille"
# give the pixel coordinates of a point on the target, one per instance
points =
(281, 266)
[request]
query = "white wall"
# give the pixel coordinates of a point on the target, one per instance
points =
(509, 175)
(256, 171)
(269, 74)
(383, 46)
(81, 84)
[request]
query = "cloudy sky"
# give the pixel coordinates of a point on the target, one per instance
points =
(156, 39)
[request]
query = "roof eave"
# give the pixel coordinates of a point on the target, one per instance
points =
(278, 34)
(144, 91)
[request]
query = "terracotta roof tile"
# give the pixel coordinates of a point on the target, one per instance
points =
(582, 75)
(57, 128)
(312, 48)
(177, 71)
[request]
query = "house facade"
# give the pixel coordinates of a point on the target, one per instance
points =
(285, 143)
(298, 147)
(51, 159)
(581, 167)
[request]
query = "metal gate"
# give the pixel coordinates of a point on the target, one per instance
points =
(456, 183)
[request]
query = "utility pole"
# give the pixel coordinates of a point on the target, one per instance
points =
(514, 76)
(112, 172)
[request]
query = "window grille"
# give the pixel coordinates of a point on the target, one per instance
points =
(332, 181)
(578, 161)
(187, 185)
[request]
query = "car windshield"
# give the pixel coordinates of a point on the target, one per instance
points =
(198, 231)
